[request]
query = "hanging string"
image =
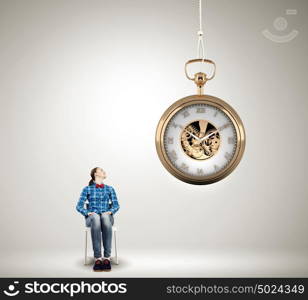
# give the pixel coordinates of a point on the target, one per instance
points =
(200, 47)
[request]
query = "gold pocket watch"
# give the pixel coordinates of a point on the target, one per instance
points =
(200, 139)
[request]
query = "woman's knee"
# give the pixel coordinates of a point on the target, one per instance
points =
(107, 219)
(95, 220)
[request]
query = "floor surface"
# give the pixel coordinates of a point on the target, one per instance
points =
(147, 263)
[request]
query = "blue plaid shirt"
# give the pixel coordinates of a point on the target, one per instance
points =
(98, 199)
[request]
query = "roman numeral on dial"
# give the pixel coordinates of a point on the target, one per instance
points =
(227, 156)
(184, 167)
(200, 172)
(200, 110)
(185, 113)
(173, 155)
(175, 125)
(231, 140)
(224, 126)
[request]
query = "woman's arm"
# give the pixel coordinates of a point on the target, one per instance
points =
(80, 205)
(115, 203)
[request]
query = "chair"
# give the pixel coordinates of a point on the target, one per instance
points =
(114, 259)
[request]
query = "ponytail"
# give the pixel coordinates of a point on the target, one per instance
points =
(92, 175)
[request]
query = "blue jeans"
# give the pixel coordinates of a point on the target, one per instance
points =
(101, 228)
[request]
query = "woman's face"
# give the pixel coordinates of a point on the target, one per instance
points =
(100, 173)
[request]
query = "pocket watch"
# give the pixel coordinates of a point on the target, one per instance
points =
(200, 139)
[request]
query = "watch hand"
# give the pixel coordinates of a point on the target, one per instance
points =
(192, 135)
(207, 136)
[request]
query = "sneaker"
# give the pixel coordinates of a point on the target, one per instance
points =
(106, 265)
(97, 267)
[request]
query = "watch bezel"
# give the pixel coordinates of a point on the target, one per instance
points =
(204, 99)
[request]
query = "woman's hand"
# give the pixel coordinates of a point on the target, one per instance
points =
(106, 212)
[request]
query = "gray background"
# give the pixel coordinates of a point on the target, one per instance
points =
(84, 84)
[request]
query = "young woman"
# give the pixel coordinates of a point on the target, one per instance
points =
(99, 216)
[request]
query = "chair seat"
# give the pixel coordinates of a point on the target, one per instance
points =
(114, 228)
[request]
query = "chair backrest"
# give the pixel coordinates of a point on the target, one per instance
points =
(86, 206)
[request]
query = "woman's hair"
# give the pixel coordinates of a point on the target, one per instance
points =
(92, 175)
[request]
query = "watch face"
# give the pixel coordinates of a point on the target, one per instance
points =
(200, 139)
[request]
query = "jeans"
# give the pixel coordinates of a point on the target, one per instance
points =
(101, 228)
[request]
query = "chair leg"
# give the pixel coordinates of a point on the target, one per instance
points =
(86, 248)
(115, 248)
